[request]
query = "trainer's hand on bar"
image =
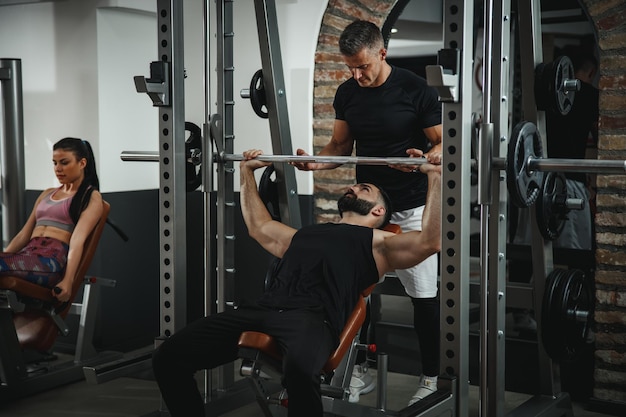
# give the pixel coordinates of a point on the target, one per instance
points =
(413, 153)
(429, 168)
(303, 166)
(249, 160)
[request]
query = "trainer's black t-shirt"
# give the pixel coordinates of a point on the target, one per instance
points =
(567, 136)
(326, 265)
(385, 121)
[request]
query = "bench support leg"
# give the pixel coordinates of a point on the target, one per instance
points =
(12, 367)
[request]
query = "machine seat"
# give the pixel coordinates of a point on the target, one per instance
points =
(37, 314)
(266, 345)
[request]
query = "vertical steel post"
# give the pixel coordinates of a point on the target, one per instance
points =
(531, 55)
(225, 244)
(207, 181)
(456, 202)
(172, 184)
(12, 149)
(273, 80)
(485, 199)
(496, 247)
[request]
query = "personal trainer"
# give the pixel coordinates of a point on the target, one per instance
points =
(383, 110)
(323, 268)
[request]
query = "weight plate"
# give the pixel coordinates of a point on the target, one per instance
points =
(522, 183)
(567, 311)
(576, 312)
(550, 91)
(551, 335)
(551, 205)
(258, 99)
(268, 191)
(193, 145)
(562, 100)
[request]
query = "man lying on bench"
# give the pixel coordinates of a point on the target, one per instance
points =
(323, 270)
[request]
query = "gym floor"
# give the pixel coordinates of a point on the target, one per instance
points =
(138, 395)
(134, 397)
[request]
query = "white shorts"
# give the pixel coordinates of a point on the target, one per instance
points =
(419, 281)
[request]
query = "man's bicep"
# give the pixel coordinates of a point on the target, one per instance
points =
(403, 251)
(275, 237)
(434, 134)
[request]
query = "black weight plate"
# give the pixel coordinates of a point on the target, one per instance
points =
(268, 191)
(551, 332)
(576, 301)
(550, 205)
(523, 184)
(193, 175)
(562, 100)
(258, 99)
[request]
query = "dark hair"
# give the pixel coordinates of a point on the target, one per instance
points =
(81, 149)
(358, 35)
(388, 206)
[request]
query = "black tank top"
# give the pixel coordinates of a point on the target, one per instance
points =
(326, 265)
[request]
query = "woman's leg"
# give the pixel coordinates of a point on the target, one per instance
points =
(41, 262)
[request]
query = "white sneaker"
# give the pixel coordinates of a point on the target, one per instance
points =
(360, 383)
(427, 386)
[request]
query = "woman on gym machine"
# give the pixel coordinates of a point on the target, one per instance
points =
(48, 248)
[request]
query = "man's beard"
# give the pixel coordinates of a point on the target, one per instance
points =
(354, 204)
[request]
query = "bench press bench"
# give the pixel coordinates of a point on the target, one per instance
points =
(262, 358)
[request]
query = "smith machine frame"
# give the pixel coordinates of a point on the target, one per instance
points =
(453, 79)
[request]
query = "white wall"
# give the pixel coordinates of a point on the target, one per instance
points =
(59, 97)
(78, 60)
(126, 43)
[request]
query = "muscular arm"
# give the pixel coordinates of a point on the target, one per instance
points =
(273, 236)
(407, 249)
(340, 144)
(434, 134)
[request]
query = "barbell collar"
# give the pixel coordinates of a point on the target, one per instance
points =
(571, 85)
(580, 316)
(141, 156)
(575, 204)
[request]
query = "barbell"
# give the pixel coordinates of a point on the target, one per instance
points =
(524, 163)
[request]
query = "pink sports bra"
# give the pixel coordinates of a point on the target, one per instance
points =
(54, 213)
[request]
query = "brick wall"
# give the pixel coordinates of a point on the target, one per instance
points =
(330, 71)
(609, 17)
